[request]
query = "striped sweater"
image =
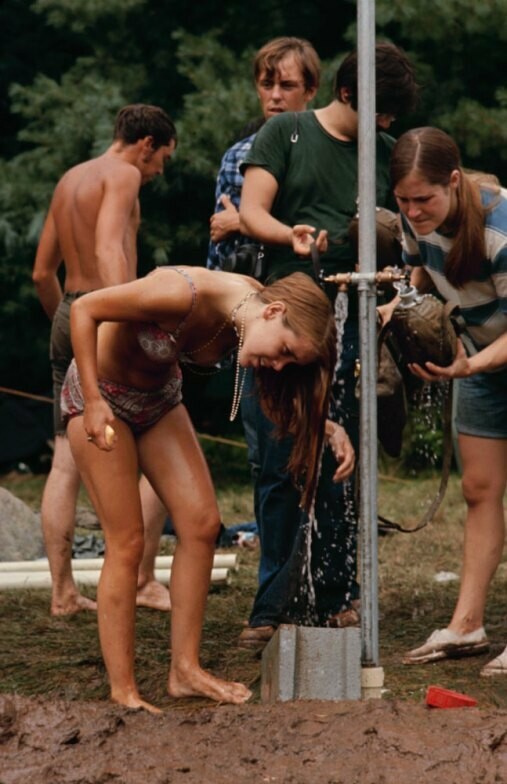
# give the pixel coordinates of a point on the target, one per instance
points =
(483, 300)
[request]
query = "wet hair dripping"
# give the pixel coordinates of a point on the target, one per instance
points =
(297, 398)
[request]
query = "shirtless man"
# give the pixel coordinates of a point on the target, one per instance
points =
(92, 228)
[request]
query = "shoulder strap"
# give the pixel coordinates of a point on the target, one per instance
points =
(317, 269)
(389, 525)
(455, 316)
(295, 133)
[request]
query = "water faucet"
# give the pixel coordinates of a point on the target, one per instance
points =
(409, 295)
(345, 279)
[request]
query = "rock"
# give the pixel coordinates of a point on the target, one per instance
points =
(20, 531)
(86, 518)
(89, 546)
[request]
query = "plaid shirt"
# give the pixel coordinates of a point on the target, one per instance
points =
(229, 181)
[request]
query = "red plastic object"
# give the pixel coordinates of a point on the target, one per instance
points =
(437, 697)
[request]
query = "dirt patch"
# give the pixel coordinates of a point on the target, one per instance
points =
(377, 742)
(60, 728)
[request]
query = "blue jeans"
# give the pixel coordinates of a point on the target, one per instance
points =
(285, 587)
(482, 405)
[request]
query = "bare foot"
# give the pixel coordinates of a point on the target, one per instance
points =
(134, 702)
(154, 595)
(72, 605)
(197, 682)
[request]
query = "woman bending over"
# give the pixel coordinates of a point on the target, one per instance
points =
(455, 239)
(128, 342)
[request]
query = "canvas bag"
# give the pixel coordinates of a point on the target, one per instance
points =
(392, 406)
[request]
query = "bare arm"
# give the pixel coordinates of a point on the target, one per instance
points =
(84, 326)
(117, 224)
(342, 448)
(161, 299)
(257, 197)
(490, 358)
(421, 280)
(47, 260)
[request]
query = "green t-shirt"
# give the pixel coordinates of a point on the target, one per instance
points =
(317, 184)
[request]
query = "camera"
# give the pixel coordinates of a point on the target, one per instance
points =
(246, 259)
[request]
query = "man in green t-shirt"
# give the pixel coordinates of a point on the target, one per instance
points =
(301, 186)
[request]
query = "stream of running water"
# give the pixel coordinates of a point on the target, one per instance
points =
(339, 552)
(327, 555)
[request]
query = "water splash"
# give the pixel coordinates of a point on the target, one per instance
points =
(426, 421)
(340, 517)
(341, 311)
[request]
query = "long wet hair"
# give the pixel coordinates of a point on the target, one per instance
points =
(434, 155)
(296, 399)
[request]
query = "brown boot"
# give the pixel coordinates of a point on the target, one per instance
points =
(348, 617)
(255, 638)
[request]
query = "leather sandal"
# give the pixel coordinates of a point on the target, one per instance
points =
(348, 617)
(496, 666)
(446, 644)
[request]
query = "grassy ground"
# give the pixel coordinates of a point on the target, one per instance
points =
(61, 657)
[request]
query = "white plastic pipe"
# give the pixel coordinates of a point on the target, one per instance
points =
(220, 561)
(42, 579)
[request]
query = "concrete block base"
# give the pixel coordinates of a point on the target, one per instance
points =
(312, 663)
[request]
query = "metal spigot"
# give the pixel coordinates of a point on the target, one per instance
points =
(387, 275)
(409, 295)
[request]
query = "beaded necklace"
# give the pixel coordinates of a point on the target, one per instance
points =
(240, 375)
(208, 342)
(188, 363)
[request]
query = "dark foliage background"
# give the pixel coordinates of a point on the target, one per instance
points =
(68, 65)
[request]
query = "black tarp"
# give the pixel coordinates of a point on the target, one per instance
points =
(26, 426)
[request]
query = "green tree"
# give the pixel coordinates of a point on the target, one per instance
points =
(460, 46)
(68, 65)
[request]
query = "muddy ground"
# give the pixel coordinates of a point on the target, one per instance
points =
(374, 742)
(60, 729)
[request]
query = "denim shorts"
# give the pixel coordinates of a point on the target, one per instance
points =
(482, 405)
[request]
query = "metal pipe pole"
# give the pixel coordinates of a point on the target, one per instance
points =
(367, 334)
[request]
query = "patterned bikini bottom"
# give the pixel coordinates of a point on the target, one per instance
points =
(140, 409)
